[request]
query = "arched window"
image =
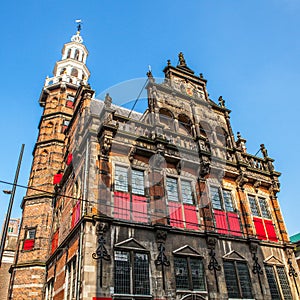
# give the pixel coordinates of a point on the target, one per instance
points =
(74, 72)
(185, 124)
(54, 102)
(82, 57)
(205, 130)
(44, 158)
(62, 71)
(49, 128)
(166, 118)
(69, 53)
(76, 55)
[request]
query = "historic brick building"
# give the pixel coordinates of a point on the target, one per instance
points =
(165, 204)
(8, 254)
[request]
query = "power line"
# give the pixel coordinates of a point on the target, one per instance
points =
(117, 207)
(137, 99)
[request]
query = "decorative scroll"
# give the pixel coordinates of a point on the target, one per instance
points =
(162, 261)
(214, 266)
(101, 251)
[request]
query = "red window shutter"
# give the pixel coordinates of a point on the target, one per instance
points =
(57, 178)
(121, 206)
(75, 214)
(28, 244)
(234, 224)
(54, 241)
(139, 209)
(69, 104)
(73, 217)
(69, 159)
(221, 221)
(175, 210)
(260, 229)
(191, 219)
(271, 231)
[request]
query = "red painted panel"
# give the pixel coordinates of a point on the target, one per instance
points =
(271, 231)
(175, 210)
(234, 224)
(121, 206)
(260, 229)
(28, 244)
(221, 221)
(139, 209)
(57, 178)
(70, 104)
(69, 158)
(54, 241)
(75, 214)
(191, 220)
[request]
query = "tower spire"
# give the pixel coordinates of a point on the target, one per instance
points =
(72, 66)
(79, 22)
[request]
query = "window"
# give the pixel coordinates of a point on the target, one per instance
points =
(262, 218)
(237, 280)
(65, 125)
(187, 192)
(49, 289)
(137, 182)
(226, 219)
(74, 72)
(278, 283)
(189, 273)
(131, 273)
(70, 100)
(181, 203)
(172, 189)
(253, 206)
(76, 55)
(121, 179)
(71, 279)
(29, 239)
(221, 199)
(130, 202)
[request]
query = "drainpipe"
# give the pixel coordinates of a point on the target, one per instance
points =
(79, 262)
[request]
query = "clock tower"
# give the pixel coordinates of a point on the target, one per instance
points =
(28, 271)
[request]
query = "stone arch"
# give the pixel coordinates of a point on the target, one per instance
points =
(166, 118)
(185, 124)
(205, 129)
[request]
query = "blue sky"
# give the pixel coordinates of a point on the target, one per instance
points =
(247, 50)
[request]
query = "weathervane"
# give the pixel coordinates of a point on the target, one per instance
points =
(79, 22)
